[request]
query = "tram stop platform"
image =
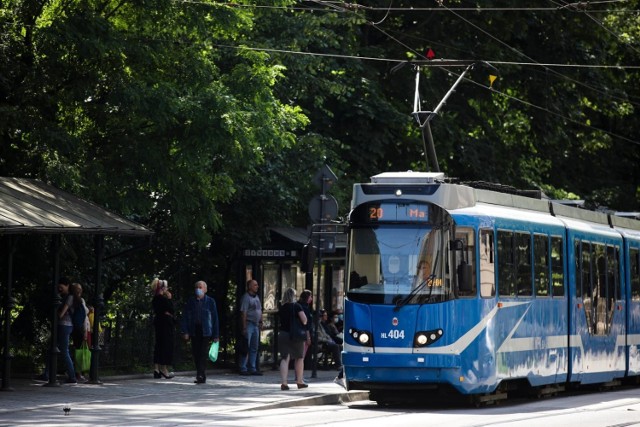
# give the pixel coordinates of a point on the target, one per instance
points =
(137, 400)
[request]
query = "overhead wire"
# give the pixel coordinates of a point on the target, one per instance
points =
(608, 30)
(475, 8)
(355, 6)
(562, 116)
(397, 60)
(629, 97)
(578, 82)
(520, 100)
(337, 6)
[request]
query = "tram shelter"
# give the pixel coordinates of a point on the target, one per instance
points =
(283, 264)
(31, 207)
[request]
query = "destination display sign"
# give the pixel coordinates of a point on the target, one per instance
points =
(391, 212)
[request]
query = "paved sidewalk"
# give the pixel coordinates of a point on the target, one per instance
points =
(142, 400)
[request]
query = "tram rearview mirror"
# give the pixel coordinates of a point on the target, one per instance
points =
(456, 245)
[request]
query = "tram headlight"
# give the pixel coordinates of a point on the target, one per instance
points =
(421, 339)
(424, 338)
(361, 337)
(364, 338)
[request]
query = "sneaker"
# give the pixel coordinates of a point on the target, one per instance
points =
(41, 377)
(80, 378)
(71, 381)
(256, 373)
(244, 373)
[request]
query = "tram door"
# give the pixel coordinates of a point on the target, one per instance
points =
(597, 312)
(633, 309)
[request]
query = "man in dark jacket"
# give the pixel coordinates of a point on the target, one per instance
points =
(200, 323)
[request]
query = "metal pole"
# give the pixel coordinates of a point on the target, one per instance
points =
(53, 349)
(97, 311)
(453, 89)
(426, 132)
(9, 303)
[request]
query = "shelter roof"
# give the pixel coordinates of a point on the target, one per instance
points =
(29, 206)
(301, 235)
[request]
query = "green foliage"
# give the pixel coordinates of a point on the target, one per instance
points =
(206, 121)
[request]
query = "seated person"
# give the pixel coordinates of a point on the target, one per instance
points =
(329, 327)
(331, 345)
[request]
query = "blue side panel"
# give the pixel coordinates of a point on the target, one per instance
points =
(482, 343)
(535, 346)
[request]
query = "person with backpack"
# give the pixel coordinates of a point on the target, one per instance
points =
(80, 321)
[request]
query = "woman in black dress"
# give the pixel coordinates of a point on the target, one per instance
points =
(290, 349)
(163, 323)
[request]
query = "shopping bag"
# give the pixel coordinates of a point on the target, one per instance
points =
(213, 351)
(83, 357)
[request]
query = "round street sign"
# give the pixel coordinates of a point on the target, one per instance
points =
(323, 208)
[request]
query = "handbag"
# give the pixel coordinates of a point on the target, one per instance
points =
(297, 330)
(83, 357)
(213, 351)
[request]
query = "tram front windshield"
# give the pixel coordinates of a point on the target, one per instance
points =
(399, 264)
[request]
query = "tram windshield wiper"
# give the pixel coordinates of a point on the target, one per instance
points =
(428, 281)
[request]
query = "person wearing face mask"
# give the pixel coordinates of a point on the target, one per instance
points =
(328, 323)
(200, 325)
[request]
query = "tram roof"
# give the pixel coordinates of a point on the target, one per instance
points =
(408, 177)
(459, 196)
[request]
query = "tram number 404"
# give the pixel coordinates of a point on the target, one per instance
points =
(394, 334)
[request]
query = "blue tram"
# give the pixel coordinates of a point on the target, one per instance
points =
(480, 292)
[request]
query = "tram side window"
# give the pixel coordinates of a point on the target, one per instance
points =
(599, 282)
(599, 296)
(578, 267)
(557, 267)
(613, 273)
(634, 265)
(585, 283)
(612, 284)
(465, 269)
(487, 265)
(514, 264)
(523, 257)
(585, 269)
(506, 263)
(365, 259)
(541, 264)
